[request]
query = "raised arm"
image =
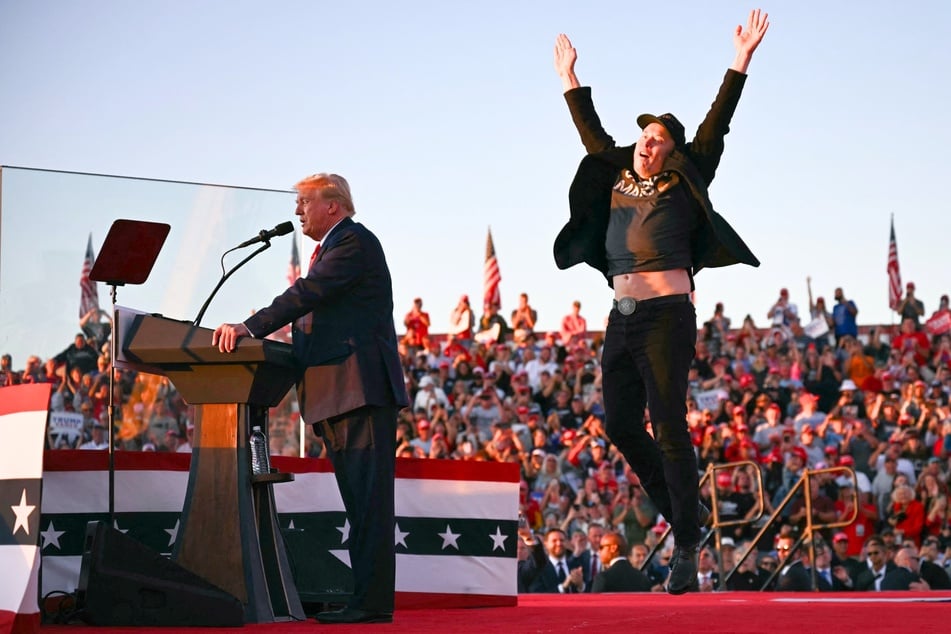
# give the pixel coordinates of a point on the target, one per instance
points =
(746, 40)
(707, 145)
(565, 58)
(586, 120)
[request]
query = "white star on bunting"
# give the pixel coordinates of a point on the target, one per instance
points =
(51, 536)
(449, 538)
(22, 511)
(498, 540)
(344, 531)
(400, 537)
(173, 533)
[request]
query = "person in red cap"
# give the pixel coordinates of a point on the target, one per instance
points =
(573, 325)
(795, 463)
(770, 427)
(462, 320)
(858, 506)
(417, 326)
(911, 343)
(841, 555)
(641, 215)
(910, 307)
(783, 312)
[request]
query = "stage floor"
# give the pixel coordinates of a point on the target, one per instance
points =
(709, 613)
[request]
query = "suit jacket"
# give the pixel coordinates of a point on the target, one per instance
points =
(529, 569)
(935, 575)
(795, 579)
(621, 577)
(715, 243)
(349, 350)
(547, 578)
(865, 580)
(899, 578)
(825, 586)
(584, 560)
(747, 580)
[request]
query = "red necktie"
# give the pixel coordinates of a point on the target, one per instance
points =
(313, 256)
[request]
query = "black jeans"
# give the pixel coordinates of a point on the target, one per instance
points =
(645, 362)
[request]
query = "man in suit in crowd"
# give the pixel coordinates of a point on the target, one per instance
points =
(877, 565)
(560, 572)
(352, 385)
(531, 558)
(930, 571)
(590, 559)
(617, 574)
(793, 577)
(905, 575)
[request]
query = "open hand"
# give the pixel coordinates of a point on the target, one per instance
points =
(746, 40)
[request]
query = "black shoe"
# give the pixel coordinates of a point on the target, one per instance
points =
(354, 615)
(683, 570)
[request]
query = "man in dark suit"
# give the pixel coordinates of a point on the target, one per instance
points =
(877, 565)
(352, 385)
(531, 559)
(905, 575)
(589, 559)
(560, 573)
(829, 578)
(793, 576)
(935, 575)
(617, 574)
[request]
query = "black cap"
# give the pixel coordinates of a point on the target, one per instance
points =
(669, 121)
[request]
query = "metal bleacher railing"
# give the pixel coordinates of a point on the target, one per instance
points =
(806, 538)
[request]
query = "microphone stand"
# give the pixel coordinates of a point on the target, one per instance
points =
(225, 276)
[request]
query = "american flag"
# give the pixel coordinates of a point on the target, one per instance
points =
(894, 275)
(491, 275)
(293, 269)
(89, 298)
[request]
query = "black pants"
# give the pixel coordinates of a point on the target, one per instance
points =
(362, 447)
(645, 362)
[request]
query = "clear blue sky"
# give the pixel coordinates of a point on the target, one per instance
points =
(447, 118)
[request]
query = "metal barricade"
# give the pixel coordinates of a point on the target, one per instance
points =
(804, 485)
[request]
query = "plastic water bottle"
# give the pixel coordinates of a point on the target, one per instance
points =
(260, 459)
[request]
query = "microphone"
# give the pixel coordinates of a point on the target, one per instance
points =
(266, 234)
(265, 237)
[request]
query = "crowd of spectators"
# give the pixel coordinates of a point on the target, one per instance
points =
(804, 392)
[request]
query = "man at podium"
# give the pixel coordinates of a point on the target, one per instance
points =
(352, 384)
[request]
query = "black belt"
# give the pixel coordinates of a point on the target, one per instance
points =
(628, 305)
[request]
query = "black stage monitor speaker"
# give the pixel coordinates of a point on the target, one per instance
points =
(123, 582)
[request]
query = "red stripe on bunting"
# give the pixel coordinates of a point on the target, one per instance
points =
(29, 397)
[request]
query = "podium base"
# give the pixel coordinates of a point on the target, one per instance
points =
(122, 582)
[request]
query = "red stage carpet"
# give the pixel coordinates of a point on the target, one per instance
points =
(774, 613)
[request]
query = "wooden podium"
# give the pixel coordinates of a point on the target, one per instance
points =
(229, 534)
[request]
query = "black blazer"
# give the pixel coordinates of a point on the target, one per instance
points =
(899, 579)
(547, 578)
(621, 577)
(935, 575)
(716, 243)
(349, 352)
(865, 580)
(529, 569)
(584, 560)
(795, 579)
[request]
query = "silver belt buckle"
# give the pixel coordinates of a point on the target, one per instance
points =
(626, 305)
